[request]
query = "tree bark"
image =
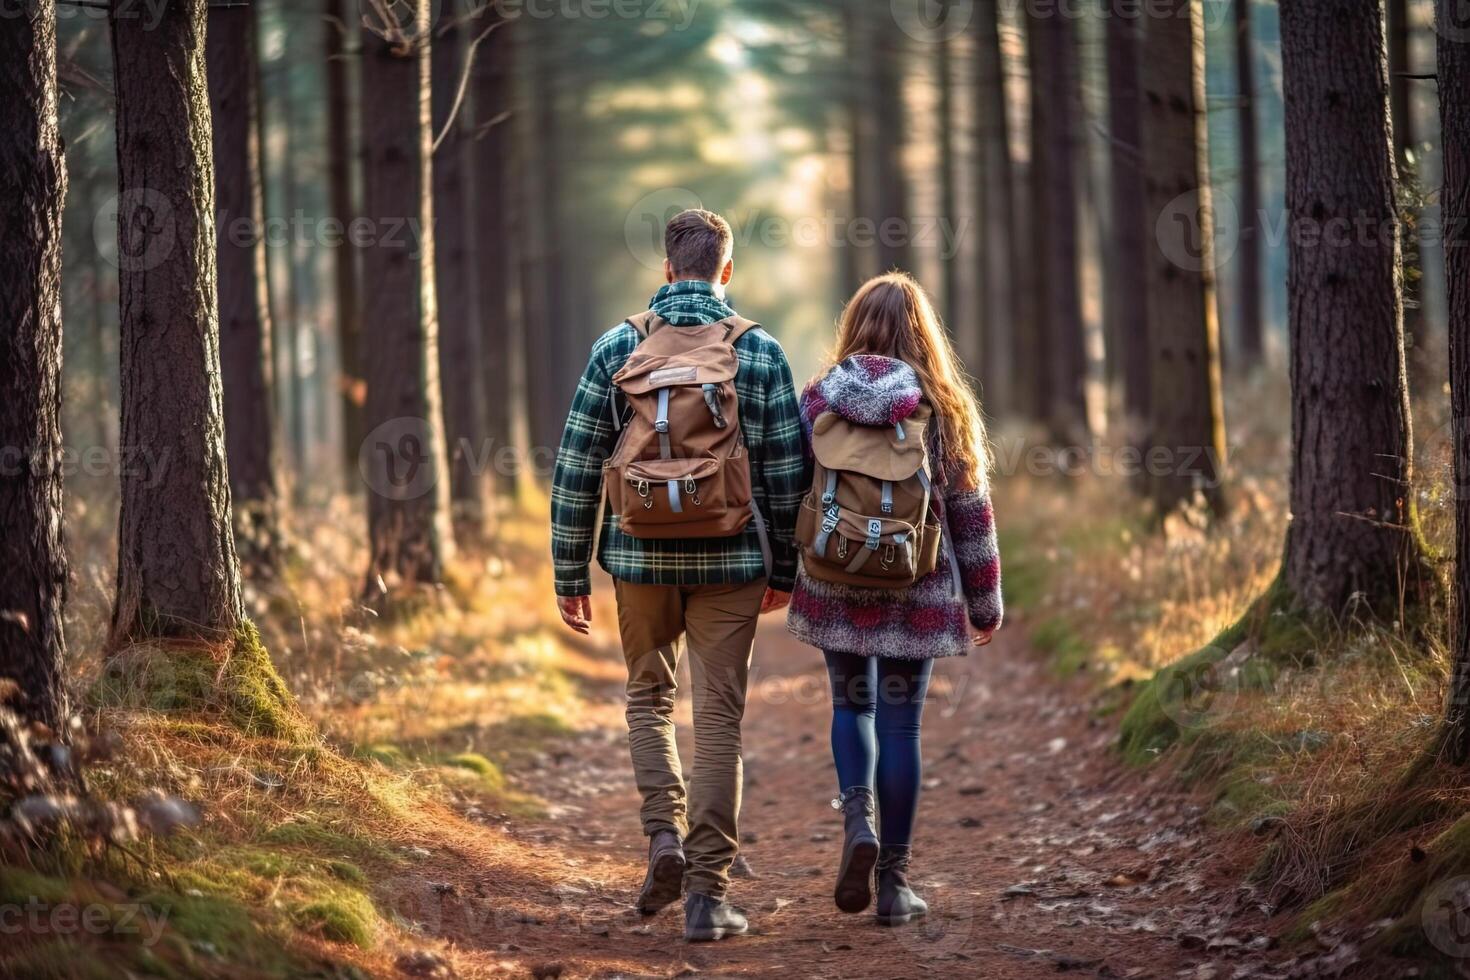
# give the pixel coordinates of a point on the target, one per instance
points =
(461, 355)
(1454, 107)
(948, 192)
(1186, 413)
(342, 180)
(1399, 36)
(177, 574)
(32, 189)
(403, 457)
(1250, 333)
(996, 196)
(888, 208)
(1127, 259)
(245, 331)
(1054, 195)
(495, 251)
(1349, 539)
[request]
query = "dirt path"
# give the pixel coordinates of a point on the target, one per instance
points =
(1037, 852)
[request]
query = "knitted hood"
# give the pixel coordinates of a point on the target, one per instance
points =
(866, 389)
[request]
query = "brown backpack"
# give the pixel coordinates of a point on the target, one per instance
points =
(680, 468)
(867, 519)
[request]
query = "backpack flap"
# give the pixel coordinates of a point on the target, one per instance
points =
(660, 363)
(879, 453)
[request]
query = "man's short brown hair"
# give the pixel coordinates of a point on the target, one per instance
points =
(697, 243)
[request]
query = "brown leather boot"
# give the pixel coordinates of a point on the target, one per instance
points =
(665, 879)
(859, 850)
(897, 903)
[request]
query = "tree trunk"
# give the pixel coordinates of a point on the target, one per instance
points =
(1054, 194)
(1186, 414)
(403, 461)
(862, 262)
(1250, 334)
(461, 356)
(1033, 379)
(887, 207)
(495, 247)
(245, 348)
(948, 194)
(177, 574)
(341, 180)
(1399, 36)
(292, 378)
(1351, 428)
(1127, 259)
(996, 196)
(1454, 107)
(32, 189)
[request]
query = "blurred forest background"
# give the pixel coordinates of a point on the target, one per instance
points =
(328, 273)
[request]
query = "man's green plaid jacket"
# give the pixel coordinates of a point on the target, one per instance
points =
(770, 422)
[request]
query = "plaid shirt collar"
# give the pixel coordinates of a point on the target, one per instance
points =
(690, 303)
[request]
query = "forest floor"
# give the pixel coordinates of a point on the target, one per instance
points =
(1039, 851)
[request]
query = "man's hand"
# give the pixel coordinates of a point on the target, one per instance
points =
(773, 600)
(983, 637)
(576, 611)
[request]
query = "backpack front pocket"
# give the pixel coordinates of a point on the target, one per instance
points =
(859, 549)
(677, 498)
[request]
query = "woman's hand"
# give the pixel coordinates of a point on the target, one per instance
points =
(982, 637)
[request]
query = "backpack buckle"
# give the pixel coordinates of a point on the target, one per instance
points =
(875, 534)
(661, 426)
(642, 488)
(829, 522)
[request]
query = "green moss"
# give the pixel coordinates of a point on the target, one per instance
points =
(529, 729)
(1065, 647)
(322, 841)
(1186, 697)
(389, 755)
(242, 686)
(217, 926)
(343, 915)
(19, 887)
(257, 698)
(489, 773)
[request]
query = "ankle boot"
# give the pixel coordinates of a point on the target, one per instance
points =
(665, 878)
(897, 903)
(859, 850)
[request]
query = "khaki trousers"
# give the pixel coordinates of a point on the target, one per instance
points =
(716, 623)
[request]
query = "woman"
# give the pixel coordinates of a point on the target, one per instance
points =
(893, 359)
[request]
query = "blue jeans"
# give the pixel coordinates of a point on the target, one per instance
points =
(877, 713)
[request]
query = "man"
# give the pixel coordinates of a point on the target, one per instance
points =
(702, 593)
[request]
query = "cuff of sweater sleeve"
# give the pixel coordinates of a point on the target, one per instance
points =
(573, 582)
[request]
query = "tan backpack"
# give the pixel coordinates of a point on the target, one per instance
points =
(680, 468)
(867, 520)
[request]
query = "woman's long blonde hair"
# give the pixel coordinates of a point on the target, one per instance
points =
(891, 315)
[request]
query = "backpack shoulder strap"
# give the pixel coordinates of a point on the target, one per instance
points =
(737, 327)
(645, 323)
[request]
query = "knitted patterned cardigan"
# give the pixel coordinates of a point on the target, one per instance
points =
(929, 619)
